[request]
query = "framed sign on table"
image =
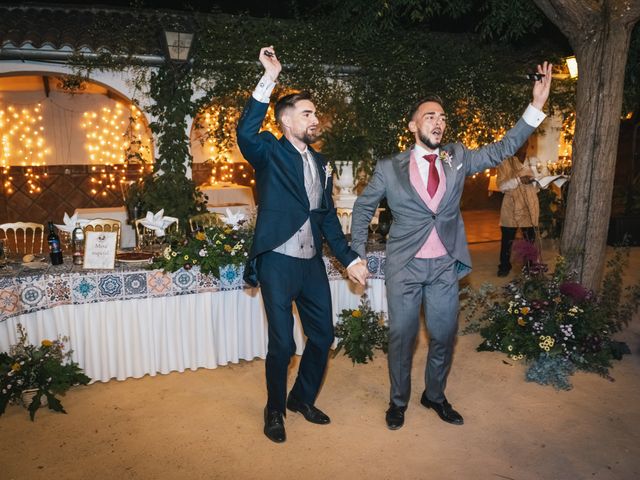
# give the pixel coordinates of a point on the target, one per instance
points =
(100, 250)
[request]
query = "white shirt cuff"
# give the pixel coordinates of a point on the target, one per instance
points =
(508, 185)
(533, 116)
(354, 262)
(262, 92)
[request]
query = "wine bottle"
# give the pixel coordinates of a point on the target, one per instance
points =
(77, 241)
(55, 251)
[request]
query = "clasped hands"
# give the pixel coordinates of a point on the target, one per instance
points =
(358, 272)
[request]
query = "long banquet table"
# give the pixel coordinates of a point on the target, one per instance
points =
(131, 321)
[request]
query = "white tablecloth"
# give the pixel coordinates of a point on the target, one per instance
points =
(127, 234)
(132, 338)
(228, 194)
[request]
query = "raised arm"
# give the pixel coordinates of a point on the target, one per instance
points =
(493, 154)
(271, 64)
(249, 142)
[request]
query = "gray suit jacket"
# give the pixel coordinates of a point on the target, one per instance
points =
(412, 219)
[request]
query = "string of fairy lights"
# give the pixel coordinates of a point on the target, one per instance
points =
(216, 131)
(115, 138)
(23, 144)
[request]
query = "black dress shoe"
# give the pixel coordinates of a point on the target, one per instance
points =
(395, 416)
(309, 412)
(444, 410)
(274, 425)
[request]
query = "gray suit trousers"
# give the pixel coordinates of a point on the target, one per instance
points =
(433, 283)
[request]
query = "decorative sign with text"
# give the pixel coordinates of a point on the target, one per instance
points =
(100, 250)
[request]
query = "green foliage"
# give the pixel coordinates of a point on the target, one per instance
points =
(172, 191)
(550, 370)
(552, 211)
(554, 323)
(46, 368)
(618, 312)
(210, 249)
(360, 331)
(474, 303)
(171, 89)
(509, 19)
(362, 90)
(501, 19)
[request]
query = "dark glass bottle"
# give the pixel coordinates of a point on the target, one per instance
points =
(55, 251)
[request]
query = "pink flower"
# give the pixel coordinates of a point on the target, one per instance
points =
(527, 252)
(575, 291)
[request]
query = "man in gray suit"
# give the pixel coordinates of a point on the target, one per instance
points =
(427, 248)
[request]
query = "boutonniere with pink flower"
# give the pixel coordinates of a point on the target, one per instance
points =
(446, 157)
(328, 171)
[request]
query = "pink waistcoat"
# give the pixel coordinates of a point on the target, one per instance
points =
(433, 246)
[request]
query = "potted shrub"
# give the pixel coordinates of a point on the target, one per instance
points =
(30, 373)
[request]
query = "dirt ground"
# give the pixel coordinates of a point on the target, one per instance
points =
(208, 424)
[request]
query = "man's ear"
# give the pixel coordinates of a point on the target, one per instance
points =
(285, 120)
(413, 128)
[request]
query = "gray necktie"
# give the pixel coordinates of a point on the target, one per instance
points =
(309, 168)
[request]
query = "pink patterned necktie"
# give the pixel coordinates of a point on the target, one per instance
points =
(434, 178)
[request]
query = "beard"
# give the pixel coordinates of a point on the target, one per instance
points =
(424, 139)
(309, 138)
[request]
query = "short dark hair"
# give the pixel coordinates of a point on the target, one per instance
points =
(289, 101)
(428, 98)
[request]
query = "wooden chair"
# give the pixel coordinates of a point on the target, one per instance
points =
(203, 220)
(146, 237)
(104, 225)
(23, 237)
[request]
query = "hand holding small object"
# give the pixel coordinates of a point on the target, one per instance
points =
(270, 62)
(526, 179)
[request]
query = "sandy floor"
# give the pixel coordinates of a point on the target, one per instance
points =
(208, 424)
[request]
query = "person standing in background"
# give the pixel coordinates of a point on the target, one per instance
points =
(520, 208)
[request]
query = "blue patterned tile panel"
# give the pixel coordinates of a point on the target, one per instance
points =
(29, 291)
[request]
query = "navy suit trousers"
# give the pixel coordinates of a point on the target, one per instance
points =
(284, 280)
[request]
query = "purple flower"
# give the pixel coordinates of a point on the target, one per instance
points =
(575, 291)
(527, 252)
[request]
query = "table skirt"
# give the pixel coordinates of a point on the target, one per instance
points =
(131, 338)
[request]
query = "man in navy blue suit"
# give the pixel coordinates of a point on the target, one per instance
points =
(295, 213)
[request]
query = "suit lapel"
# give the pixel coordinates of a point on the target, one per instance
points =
(293, 165)
(450, 173)
(401, 165)
(320, 163)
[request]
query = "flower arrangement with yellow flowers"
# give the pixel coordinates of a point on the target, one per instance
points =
(553, 323)
(360, 331)
(46, 368)
(210, 248)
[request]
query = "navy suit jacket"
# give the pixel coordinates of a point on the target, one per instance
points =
(283, 205)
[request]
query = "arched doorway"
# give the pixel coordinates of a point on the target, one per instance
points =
(67, 144)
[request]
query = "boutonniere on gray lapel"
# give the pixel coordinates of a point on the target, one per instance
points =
(328, 171)
(446, 157)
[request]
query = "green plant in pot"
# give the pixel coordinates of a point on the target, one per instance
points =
(173, 192)
(344, 140)
(30, 373)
